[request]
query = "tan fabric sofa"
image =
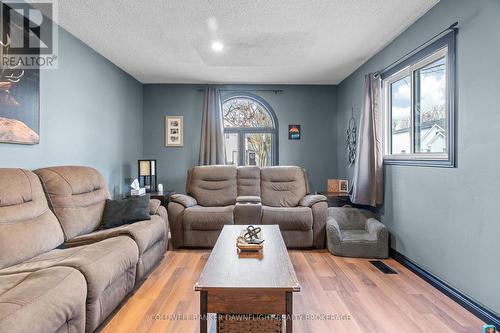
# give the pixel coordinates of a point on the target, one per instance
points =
(219, 195)
(60, 274)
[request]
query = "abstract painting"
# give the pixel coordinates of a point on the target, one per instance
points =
(293, 132)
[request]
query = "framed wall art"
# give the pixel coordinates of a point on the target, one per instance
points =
(338, 185)
(174, 131)
(19, 89)
(293, 132)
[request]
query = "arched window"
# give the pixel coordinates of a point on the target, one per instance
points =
(250, 131)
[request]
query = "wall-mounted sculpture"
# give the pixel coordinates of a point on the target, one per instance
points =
(351, 139)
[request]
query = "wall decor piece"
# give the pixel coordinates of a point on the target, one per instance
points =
(338, 185)
(19, 95)
(351, 139)
(174, 131)
(293, 132)
(344, 185)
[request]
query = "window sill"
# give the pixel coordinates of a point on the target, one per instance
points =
(425, 161)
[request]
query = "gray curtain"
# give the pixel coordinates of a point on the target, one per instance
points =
(212, 130)
(368, 179)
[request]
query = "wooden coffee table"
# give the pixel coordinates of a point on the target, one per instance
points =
(234, 284)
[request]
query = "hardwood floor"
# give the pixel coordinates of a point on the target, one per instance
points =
(351, 295)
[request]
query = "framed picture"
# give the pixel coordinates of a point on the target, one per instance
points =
(293, 132)
(338, 185)
(19, 93)
(344, 185)
(174, 131)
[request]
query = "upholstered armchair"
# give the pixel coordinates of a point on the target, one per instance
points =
(353, 232)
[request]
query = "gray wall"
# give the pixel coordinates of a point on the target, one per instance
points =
(91, 114)
(313, 107)
(447, 220)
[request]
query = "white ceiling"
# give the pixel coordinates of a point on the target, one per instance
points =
(265, 41)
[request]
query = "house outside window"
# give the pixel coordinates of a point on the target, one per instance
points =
(418, 102)
(250, 131)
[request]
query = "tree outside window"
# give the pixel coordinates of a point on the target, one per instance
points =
(250, 129)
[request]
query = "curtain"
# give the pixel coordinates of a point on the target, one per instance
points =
(368, 179)
(212, 130)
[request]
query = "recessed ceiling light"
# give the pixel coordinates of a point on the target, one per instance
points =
(217, 46)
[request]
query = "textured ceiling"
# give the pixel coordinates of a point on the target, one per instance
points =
(278, 41)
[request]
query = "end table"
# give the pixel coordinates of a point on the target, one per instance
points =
(341, 199)
(164, 196)
(336, 199)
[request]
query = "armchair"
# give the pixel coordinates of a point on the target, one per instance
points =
(353, 232)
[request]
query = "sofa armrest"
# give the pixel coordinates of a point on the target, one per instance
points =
(176, 223)
(154, 204)
(333, 231)
(374, 226)
(311, 199)
(185, 200)
(248, 199)
(319, 212)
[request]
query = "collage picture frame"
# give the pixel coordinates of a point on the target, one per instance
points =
(174, 131)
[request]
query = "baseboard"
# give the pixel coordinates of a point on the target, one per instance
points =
(475, 308)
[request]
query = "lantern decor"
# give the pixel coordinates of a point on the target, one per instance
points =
(148, 175)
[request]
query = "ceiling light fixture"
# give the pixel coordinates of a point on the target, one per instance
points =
(217, 46)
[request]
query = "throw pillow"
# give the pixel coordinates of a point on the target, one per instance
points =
(125, 211)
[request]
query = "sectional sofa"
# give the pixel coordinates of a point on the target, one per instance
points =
(219, 195)
(58, 272)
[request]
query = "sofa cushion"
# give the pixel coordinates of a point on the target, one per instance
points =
(43, 301)
(249, 181)
(282, 186)
(144, 233)
(77, 196)
(207, 218)
(27, 226)
(213, 185)
(108, 266)
(358, 236)
(125, 211)
(288, 218)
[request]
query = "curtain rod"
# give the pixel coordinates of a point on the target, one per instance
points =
(418, 48)
(276, 91)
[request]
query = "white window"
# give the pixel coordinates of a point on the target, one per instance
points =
(418, 109)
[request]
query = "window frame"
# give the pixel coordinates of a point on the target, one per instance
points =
(443, 47)
(242, 131)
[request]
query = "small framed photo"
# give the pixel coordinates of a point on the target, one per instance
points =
(338, 185)
(293, 132)
(174, 131)
(343, 185)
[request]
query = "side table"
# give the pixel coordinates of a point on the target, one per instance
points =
(341, 199)
(164, 196)
(336, 199)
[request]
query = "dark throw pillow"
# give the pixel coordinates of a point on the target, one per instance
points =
(125, 211)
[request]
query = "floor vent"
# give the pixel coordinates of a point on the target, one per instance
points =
(383, 267)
